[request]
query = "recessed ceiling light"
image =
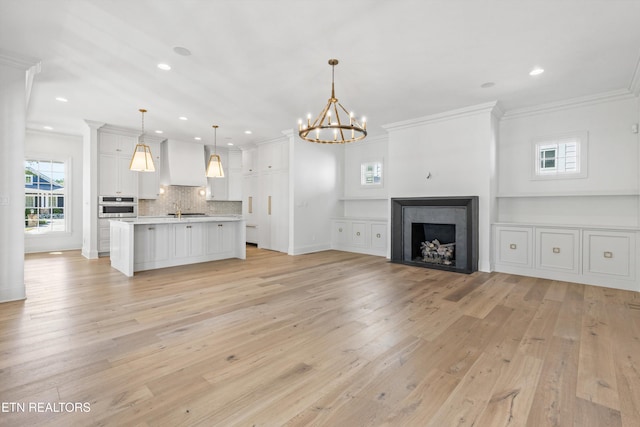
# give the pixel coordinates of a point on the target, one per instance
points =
(536, 71)
(158, 131)
(61, 99)
(487, 85)
(183, 118)
(183, 51)
(47, 127)
(248, 132)
(197, 138)
(165, 67)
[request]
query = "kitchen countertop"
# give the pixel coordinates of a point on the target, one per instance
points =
(174, 220)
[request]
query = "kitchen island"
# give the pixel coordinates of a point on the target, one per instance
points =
(146, 243)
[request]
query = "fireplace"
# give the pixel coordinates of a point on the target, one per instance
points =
(435, 232)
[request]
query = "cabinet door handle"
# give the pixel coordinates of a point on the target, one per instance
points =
(357, 233)
(269, 205)
(188, 226)
(219, 225)
(513, 246)
(151, 228)
(378, 235)
(250, 207)
(340, 229)
(608, 254)
(556, 250)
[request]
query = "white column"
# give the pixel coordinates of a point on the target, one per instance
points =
(16, 76)
(90, 189)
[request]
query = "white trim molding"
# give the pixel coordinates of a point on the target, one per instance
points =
(488, 107)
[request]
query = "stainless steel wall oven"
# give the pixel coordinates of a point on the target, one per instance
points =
(118, 207)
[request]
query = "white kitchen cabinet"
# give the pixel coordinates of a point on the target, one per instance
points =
(558, 249)
(228, 187)
(188, 240)
(115, 152)
(152, 243)
(235, 175)
(249, 160)
(250, 209)
(610, 254)
(273, 156)
(220, 238)
(149, 182)
(146, 244)
(514, 246)
(103, 236)
(274, 216)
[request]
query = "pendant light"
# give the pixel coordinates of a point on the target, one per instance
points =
(142, 160)
(329, 127)
(214, 168)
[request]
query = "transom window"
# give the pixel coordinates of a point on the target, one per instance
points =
(45, 196)
(561, 157)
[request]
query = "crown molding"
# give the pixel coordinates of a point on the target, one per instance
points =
(488, 107)
(583, 101)
(19, 61)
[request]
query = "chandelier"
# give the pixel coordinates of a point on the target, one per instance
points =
(142, 160)
(214, 168)
(329, 127)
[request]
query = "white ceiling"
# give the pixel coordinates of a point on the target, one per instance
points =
(260, 65)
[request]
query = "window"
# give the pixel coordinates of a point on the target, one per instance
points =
(371, 174)
(45, 196)
(561, 157)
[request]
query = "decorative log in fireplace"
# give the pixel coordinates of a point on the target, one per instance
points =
(435, 232)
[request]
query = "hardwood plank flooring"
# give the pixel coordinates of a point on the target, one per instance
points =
(325, 339)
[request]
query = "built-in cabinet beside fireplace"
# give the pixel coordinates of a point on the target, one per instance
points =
(583, 254)
(361, 235)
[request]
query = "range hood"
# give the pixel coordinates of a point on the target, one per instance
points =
(182, 164)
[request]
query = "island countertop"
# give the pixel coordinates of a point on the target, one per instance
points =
(145, 220)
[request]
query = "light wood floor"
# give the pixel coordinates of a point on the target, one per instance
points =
(327, 339)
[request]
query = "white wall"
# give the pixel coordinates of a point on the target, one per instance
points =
(613, 148)
(64, 148)
(316, 177)
(456, 149)
(607, 196)
(369, 150)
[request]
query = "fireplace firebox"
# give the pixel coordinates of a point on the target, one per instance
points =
(435, 232)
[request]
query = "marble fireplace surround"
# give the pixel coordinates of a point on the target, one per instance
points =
(459, 211)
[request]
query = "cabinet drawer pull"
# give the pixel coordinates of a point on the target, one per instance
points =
(556, 250)
(378, 235)
(250, 207)
(358, 233)
(513, 246)
(151, 228)
(608, 254)
(340, 229)
(188, 226)
(219, 225)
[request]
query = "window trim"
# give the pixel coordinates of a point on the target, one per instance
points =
(582, 140)
(363, 164)
(68, 191)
